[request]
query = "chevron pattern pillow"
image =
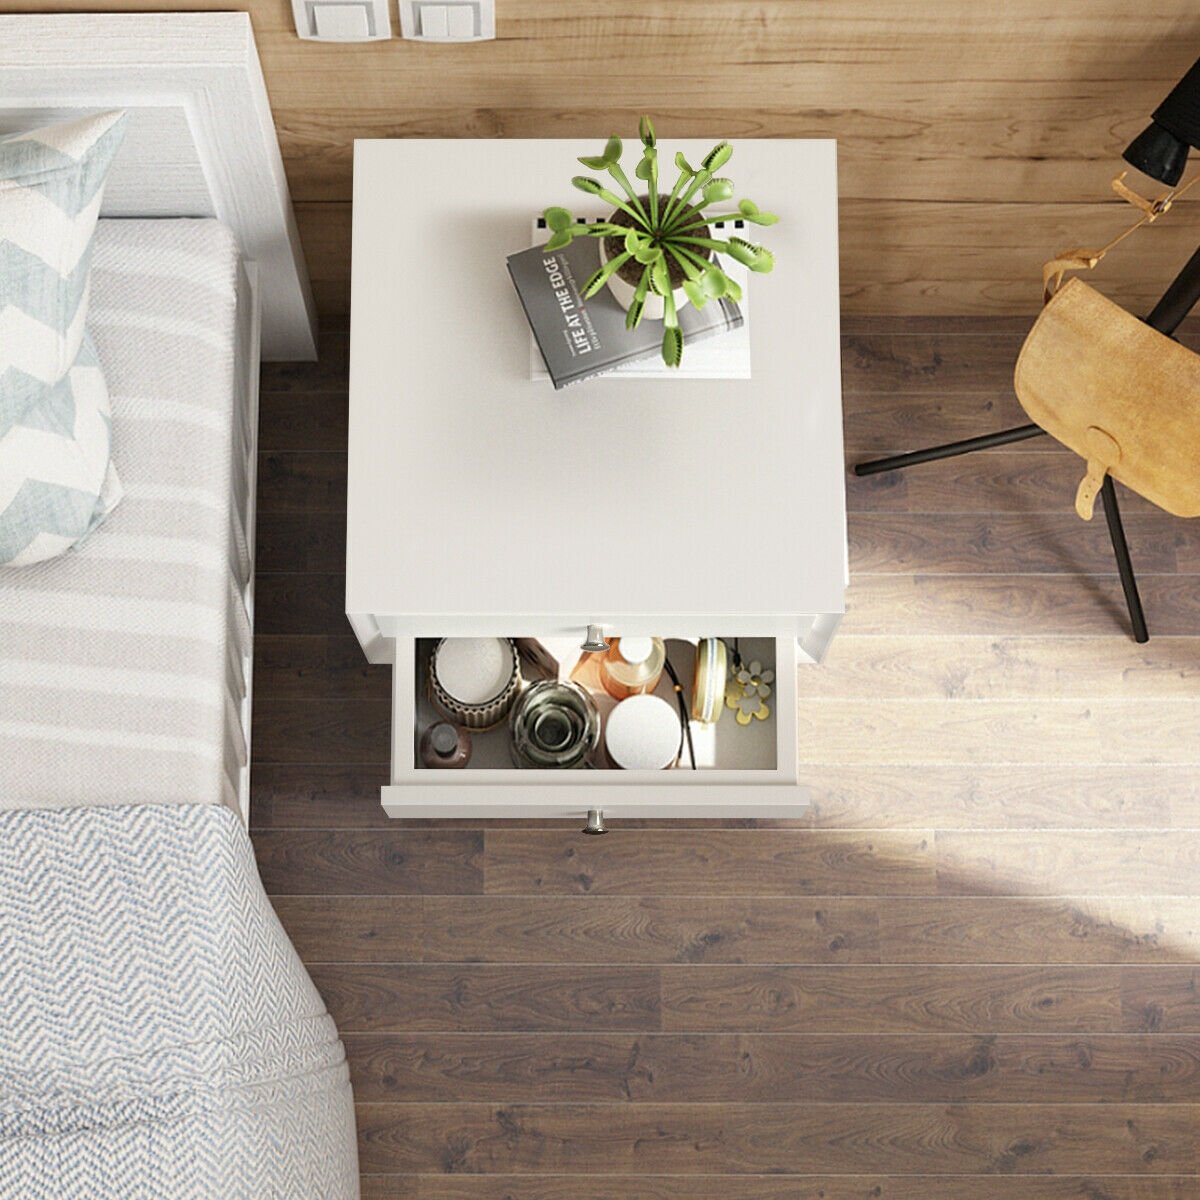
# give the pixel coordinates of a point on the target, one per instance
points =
(57, 481)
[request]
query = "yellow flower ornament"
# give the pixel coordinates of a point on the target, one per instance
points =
(747, 692)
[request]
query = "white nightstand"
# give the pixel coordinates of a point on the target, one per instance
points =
(482, 503)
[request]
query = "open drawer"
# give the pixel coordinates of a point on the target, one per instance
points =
(741, 769)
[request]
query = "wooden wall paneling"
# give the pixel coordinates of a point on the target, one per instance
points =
(975, 140)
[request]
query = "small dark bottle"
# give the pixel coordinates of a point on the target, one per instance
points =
(445, 746)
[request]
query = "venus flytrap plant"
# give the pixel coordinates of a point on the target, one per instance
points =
(663, 242)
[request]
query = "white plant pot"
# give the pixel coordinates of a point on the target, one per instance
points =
(624, 291)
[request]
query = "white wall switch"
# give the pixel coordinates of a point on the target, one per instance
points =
(342, 20)
(434, 20)
(448, 20)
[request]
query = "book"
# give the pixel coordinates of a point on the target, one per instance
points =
(577, 339)
(726, 356)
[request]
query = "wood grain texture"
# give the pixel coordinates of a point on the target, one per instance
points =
(527, 1068)
(933, 999)
(775, 1187)
(301, 731)
(610, 929)
(1045, 731)
(300, 421)
(698, 862)
(970, 969)
(1069, 605)
(1012, 796)
(488, 999)
(314, 541)
(787, 1138)
(1026, 668)
(1108, 862)
(973, 143)
(299, 602)
(296, 667)
(1023, 481)
(1042, 543)
(391, 861)
(760, 929)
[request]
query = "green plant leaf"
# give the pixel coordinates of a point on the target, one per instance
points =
(747, 208)
(646, 131)
(613, 149)
(733, 289)
(642, 247)
(717, 189)
(717, 157)
(558, 240)
(764, 261)
(742, 250)
(594, 187)
(600, 277)
(672, 346)
(633, 316)
(695, 293)
(660, 276)
(558, 219)
(594, 283)
(594, 162)
(644, 169)
(715, 283)
(757, 258)
(759, 217)
(683, 164)
(689, 268)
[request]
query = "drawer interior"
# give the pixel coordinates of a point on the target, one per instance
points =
(724, 745)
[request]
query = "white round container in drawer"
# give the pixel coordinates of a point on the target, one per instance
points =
(475, 680)
(643, 734)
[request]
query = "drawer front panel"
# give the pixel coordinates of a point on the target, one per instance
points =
(743, 768)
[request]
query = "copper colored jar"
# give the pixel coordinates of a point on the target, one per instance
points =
(632, 666)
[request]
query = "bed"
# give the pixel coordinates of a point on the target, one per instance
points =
(125, 665)
(159, 1036)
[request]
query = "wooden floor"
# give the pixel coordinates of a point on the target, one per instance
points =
(970, 972)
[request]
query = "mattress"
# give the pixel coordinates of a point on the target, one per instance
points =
(123, 663)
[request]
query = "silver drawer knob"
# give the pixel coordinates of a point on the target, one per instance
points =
(594, 643)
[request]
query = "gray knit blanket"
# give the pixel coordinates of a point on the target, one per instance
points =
(159, 1037)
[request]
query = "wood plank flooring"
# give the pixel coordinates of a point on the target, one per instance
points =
(971, 971)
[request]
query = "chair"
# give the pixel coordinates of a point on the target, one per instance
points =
(1168, 313)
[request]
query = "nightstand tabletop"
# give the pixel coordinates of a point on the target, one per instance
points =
(479, 498)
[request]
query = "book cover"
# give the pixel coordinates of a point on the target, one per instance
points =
(581, 338)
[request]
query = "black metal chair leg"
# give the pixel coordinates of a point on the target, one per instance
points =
(897, 462)
(1116, 531)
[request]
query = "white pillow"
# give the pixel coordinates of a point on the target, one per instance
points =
(57, 482)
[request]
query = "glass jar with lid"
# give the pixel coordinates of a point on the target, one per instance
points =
(554, 724)
(632, 666)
